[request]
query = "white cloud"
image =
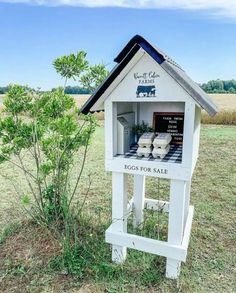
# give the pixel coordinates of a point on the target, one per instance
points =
(220, 7)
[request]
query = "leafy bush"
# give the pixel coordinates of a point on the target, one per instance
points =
(52, 135)
(48, 128)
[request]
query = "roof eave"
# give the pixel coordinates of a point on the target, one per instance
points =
(180, 77)
(110, 78)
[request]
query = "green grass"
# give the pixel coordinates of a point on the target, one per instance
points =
(30, 261)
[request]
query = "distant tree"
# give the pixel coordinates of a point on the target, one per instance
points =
(3, 90)
(76, 90)
(219, 86)
(232, 90)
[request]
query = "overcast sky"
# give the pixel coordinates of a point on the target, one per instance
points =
(200, 35)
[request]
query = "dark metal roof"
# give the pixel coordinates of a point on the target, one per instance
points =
(171, 67)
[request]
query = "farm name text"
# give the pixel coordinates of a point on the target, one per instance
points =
(146, 77)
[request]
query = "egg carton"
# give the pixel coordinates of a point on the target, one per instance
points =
(144, 152)
(162, 140)
(146, 139)
(160, 152)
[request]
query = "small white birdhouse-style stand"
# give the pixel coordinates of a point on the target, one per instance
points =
(146, 86)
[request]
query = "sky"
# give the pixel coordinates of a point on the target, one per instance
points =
(200, 35)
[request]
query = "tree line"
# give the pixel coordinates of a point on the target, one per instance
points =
(220, 86)
(70, 90)
(217, 86)
(3, 90)
(76, 90)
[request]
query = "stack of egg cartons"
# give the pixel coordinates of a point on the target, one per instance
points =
(161, 145)
(145, 144)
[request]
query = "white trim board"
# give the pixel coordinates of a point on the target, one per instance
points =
(162, 248)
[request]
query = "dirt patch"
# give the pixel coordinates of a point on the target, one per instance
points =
(31, 246)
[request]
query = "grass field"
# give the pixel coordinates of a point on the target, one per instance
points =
(29, 257)
(225, 102)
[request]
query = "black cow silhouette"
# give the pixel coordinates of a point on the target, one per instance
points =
(146, 91)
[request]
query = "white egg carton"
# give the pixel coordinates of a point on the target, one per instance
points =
(162, 140)
(144, 151)
(146, 139)
(160, 152)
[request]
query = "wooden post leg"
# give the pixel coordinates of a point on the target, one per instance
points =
(187, 200)
(139, 193)
(119, 213)
(176, 224)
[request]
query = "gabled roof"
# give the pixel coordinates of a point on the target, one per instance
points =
(171, 67)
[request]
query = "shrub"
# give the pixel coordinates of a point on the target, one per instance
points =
(52, 135)
(48, 127)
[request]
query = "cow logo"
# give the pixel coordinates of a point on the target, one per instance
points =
(146, 91)
(146, 84)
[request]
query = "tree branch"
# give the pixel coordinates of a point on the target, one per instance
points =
(81, 170)
(29, 184)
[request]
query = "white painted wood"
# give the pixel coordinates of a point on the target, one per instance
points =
(119, 213)
(176, 224)
(114, 128)
(147, 109)
(153, 101)
(130, 206)
(188, 226)
(138, 194)
(167, 88)
(148, 168)
(175, 252)
(99, 104)
(187, 156)
(124, 108)
(187, 200)
(158, 247)
(156, 205)
(111, 129)
(136, 110)
(196, 136)
(136, 107)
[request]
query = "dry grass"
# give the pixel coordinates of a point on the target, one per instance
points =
(222, 117)
(81, 99)
(225, 102)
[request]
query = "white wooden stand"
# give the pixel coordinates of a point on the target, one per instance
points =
(143, 85)
(119, 213)
(179, 228)
(138, 202)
